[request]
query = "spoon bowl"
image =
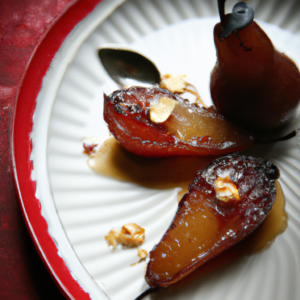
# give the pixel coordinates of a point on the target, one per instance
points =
(128, 68)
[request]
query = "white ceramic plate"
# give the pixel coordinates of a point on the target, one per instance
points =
(80, 207)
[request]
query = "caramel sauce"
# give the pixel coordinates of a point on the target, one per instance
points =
(114, 161)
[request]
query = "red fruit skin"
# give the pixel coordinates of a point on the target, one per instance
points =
(132, 127)
(258, 89)
(232, 221)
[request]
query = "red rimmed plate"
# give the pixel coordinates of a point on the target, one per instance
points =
(67, 207)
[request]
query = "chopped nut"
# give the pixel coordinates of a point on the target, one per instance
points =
(161, 111)
(142, 254)
(226, 190)
(91, 145)
(130, 236)
(113, 237)
(175, 84)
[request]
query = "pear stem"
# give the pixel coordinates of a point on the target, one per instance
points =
(221, 7)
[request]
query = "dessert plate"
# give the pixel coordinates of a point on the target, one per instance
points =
(69, 208)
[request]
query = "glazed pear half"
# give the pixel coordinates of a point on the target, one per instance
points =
(227, 200)
(255, 86)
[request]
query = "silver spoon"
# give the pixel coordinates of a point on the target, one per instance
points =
(128, 68)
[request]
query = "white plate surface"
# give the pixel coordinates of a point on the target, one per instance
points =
(81, 207)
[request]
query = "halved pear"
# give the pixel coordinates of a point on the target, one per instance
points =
(227, 200)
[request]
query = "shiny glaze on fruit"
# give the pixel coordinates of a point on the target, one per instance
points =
(190, 129)
(205, 226)
(258, 89)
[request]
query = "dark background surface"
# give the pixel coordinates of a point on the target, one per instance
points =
(23, 24)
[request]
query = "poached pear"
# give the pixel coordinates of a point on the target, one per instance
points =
(253, 84)
(226, 201)
(154, 122)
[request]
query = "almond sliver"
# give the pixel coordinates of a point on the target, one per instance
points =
(174, 83)
(161, 111)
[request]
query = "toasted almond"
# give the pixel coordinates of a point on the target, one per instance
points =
(161, 111)
(174, 83)
(131, 235)
(113, 237)
(142, 254)
(226, 190)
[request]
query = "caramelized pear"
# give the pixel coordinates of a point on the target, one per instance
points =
(154, 122)
(227, 200)
(253, 84)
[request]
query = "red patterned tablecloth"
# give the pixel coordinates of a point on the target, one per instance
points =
(23, 24)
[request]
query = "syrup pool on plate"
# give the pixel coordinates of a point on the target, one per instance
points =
(112, 160)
